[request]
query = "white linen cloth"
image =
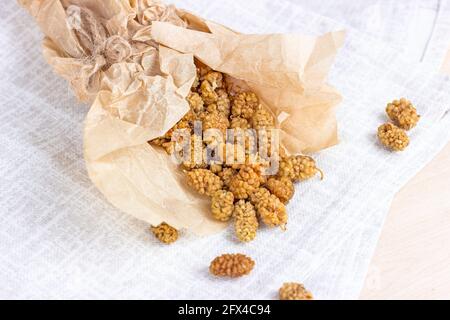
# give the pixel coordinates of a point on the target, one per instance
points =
(391, 21)
(59, 238)
(424, 35)
(438, 48)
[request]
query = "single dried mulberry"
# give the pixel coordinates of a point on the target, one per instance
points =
(298, 168)
(165, 233)
(245, 183)
(244, 105)
(269, 145)
(195, 159)
(231, 265)
(294, 291)
(204, 181)
(234, 154)
(282, 187)
(215, 79)
(208, 93)
(222, 205)
(270, 209)
(246, 222)
(239, 123)
(393, 137)
(215, 120)
(403, 113)
(227, 174)
(223, 102)
(196, 102)
(216, 168)
(262, 119)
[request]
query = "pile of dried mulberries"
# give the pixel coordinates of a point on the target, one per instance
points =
(241, 192)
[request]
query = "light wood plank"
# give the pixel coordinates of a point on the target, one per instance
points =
(412, 260)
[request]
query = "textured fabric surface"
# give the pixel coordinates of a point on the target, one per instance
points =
(388, 20)
(439, 45)
(59, 238)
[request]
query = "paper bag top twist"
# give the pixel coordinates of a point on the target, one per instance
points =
(134, 60)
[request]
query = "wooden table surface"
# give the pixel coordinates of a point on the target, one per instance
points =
(412, 260)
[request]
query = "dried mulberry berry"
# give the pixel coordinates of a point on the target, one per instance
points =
(222, 105)
(270, 209)
(208, 93)
(294, 291)
(222, 205)
(204, 181)
(215, 79)
(190, 118)
(159, 142)
(246, 222)
(393, 137)
(223, 102)
(187, 123)
(269, 144)
(215, 120)
(262, 119)
(245, 105)
(239, 156)
(256, 163)
(298, 168)
(227, 174)
(282, 187)
(239, 123)
(403, 113)
(231, 265)
(194, 160)
(216, 168)
(234, 154)
(245, 183)
(195, 102)
(165, 233)
(169, 147)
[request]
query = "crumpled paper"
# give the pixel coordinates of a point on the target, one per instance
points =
(134, 60)
(85, 37)
(288, 73)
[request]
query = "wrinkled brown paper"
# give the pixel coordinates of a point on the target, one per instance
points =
(134, 59)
